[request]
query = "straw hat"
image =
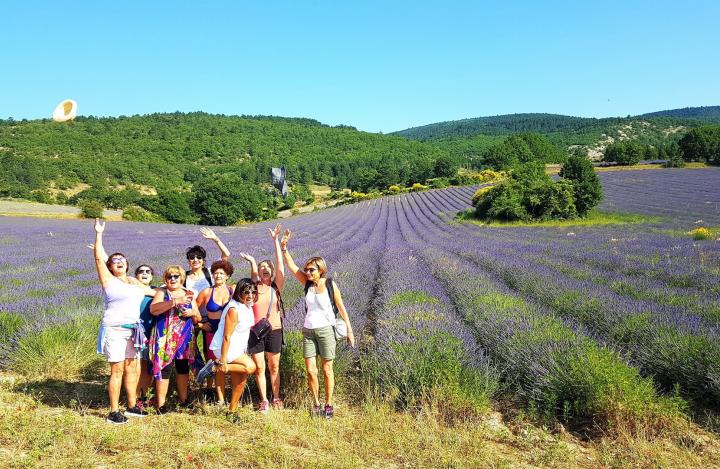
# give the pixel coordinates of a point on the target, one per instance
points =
(65, 111)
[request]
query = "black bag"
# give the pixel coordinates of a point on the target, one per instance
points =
(261, 328)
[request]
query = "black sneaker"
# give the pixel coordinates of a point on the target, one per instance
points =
(185, 405)
(316, 411)
(328, 411)
(135, 412)
(162, 410)
(116, 418)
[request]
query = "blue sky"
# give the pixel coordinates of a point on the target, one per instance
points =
(379, 66)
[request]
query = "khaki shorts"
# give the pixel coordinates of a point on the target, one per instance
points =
(320, 340)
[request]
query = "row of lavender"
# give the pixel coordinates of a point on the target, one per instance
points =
(669, 335)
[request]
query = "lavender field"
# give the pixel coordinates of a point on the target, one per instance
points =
(575, 320)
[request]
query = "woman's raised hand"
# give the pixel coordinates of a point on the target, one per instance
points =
(276, 232)
(286, 237)
(208, 234)
(99, 226)
(247, 257)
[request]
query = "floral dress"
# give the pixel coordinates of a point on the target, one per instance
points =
(171, 339)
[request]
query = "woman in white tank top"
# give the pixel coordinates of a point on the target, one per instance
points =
(319, 325)
(121, 336)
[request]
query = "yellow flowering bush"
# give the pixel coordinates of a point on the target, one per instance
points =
(700, 233)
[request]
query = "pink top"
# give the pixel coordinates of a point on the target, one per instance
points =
(260, 308)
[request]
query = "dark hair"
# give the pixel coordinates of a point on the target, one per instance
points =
(152, 272)
(199, 250)
(224, 265)
(109, 261)
(243, 285)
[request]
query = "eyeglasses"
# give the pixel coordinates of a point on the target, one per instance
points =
(249, 291)
(118, 260)
(173, 277)
(194, 257)
(310, 269)
(144, 271)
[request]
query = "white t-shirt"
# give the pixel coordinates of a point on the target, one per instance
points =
(241, 334)
(122, 303)
(319, 309)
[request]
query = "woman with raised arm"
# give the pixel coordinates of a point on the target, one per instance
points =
(199, 276)
(213, 300)
(319, 326)
(232, 339)
(176, 313)
(269, 305)
(121, 333)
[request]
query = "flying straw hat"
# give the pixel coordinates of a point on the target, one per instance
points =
(65, 111)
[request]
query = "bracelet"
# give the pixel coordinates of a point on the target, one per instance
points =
(284, 250)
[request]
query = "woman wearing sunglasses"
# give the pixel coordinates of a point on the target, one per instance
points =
(121, 337)
(199, 276)
(319, 325)
(231, 341)
(144, 274)
(171, 341)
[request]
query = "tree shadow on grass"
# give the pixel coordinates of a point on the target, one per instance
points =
(82, 394)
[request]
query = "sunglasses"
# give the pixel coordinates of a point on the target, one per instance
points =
(173, 277)
(249, 291)
(195, 257)
(144, 271)
(118, 260)
(310, 269)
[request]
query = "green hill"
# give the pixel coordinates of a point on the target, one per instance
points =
(469, 138)
(173, 153)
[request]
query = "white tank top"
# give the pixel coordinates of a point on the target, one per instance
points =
(241, 334)
(197, 285)
(122, 303)
(319, 309)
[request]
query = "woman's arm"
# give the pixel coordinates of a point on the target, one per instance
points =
(145, 288)
(300, 276)
(279, 264)
(230, 322)
(344, 314)
(158, 305)
(210, 234)
(100, 256)
(254, 276)
(193, 313)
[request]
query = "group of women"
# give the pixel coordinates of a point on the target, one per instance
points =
(196, 320)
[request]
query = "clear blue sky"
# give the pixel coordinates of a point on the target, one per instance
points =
(377, 65)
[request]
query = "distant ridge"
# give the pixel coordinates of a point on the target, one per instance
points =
(544, 123)
(702, 112)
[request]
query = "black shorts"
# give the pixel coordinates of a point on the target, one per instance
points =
(270, 343)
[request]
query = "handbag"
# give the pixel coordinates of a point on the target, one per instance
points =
(263, 327)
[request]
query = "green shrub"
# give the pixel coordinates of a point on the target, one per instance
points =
(136, 213)
(587, 189)
(91, 209)
(624, 153)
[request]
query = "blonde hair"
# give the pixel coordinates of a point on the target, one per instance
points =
(174, 269)
(320, 263)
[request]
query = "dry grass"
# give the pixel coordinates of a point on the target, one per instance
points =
(58, 424)
(23, 208)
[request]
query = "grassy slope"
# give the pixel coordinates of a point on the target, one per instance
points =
(49, 422)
